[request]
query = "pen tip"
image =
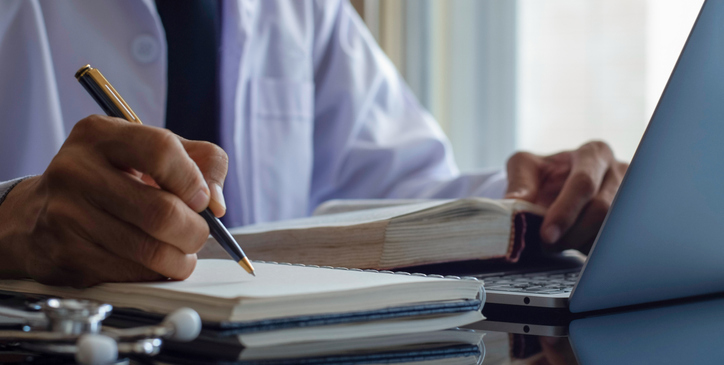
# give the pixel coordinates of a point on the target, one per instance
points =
(246, 264)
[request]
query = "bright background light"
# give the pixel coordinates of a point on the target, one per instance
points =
(536, 75)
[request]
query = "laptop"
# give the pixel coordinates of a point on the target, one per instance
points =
(662, 237)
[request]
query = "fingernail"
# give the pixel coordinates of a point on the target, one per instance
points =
(552, 234)
(200, 201)
(516, 194)
(217, 203)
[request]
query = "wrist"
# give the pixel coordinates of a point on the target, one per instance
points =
(16, 222)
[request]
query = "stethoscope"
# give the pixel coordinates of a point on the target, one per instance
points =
(70, 327)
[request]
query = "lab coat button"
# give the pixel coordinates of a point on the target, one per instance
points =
(145, 48)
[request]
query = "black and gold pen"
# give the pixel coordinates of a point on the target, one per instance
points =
(113, 104)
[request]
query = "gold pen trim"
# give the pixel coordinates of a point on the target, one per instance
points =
(115, 97)
(82, 71)
(246, 264)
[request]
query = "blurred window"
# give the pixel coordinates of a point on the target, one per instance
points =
(536, 75)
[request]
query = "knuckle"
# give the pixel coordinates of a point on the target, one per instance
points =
(55, 171)
(216, 153)
(88, 129)
(599, 148)
(62, 168)
(584, 184)
(600, 145)
(165, 139)
(86, 125)
(166, 146)
(54, 217)
(519, 157)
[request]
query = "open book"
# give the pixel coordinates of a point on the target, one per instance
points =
(396, 235)
(287, 304)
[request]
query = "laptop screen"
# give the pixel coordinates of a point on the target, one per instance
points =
(663, 236)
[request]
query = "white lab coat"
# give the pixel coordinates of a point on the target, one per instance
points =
(312, 109)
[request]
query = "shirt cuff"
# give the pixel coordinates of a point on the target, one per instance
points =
(6, 186)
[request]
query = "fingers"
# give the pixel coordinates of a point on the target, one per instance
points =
(523, 176)
(583, 233)
(71, 217)
(62, 253)
(158, 213)
(118, 202)
(79, 263)
(213, 163)
(152, 151)
(129, 242)
(589, 166)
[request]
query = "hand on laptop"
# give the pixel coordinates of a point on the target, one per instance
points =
(92, 217)
(577, 187)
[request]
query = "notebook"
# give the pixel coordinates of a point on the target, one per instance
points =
(292, 303)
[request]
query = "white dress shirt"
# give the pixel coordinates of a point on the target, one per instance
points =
(311, 108)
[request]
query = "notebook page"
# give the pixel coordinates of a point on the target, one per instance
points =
(225, 279)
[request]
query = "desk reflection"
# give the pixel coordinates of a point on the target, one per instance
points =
(689, 333)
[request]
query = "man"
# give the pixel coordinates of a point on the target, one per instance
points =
(305, 104)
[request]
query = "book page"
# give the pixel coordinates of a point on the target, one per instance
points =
(339, 220)
(350, 205)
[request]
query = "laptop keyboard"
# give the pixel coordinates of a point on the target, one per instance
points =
(554, 282)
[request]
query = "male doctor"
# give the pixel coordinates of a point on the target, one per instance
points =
(303, 102)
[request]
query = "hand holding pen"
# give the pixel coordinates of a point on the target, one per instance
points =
(113, 104)
(88, 220)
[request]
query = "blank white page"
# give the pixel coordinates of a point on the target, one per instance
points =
(226, 279)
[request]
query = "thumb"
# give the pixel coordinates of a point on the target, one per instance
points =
(523, 176)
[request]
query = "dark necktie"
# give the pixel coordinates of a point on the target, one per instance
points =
(193, 35)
